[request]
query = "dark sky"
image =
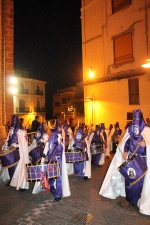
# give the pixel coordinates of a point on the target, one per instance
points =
(47, 42)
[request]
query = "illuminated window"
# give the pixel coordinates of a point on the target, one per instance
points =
(123, 49)
(133, 87)
(119, 4)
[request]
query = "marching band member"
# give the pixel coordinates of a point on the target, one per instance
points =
(96, 142)
(12, 140)
(37, 147)
(114, 184)
(81, 143)
(59, 187)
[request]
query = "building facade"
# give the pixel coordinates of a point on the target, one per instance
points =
(29, 100)
(68, 104)
(115, 43)
(6, 62)
(63, 104)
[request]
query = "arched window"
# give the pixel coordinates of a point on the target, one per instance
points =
(22, 105)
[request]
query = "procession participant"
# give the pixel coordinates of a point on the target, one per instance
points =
(12, 140)
(110, 133)
(19, 178)
(81, 143)
(70, 168)
(37, 146)
(34, 126)
(114, 184)
(102, 158)
(96, 141)
(105, 135)
(115, 137)
(59, 187)
(66, 136)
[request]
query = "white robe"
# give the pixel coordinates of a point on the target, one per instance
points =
(19, 179)
(114, 184)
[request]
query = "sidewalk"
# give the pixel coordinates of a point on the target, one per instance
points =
(84, 206)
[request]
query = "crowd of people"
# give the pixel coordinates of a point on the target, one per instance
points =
(75, 152)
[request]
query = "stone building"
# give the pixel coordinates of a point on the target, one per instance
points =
(115, 43)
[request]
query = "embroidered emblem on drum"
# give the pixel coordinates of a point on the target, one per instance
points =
(131, 173)
(38, 134)
(135, 129)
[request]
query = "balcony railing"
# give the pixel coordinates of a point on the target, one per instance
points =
(37, 92)
(22, 110)
(39, 109)
(23, 91)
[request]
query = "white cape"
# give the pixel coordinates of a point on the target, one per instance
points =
(19, 179)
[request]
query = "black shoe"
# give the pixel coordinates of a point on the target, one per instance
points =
(57, 199)
(8, 184)
(85, 178)
(22, 190)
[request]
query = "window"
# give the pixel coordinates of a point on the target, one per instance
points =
(64, 100)
(123, 48)
(57, 104)
(21, 105)
(119, 4)
(133, 87)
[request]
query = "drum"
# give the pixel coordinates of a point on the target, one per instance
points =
(36, 154)
(72, 157)
(133, 169)
(9, 157)
(96, 149)
(35, 172)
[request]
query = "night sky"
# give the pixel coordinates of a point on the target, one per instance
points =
(47, 42)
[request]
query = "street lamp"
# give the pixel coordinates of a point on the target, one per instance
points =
(147, 64)
(91, 73)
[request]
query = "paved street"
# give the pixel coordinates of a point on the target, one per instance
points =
(84, 206)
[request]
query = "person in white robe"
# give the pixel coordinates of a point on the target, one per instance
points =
(19, 179)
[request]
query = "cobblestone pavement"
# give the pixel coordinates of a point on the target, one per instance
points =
(84, 206)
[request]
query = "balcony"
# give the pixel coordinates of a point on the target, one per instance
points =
(37, 92)
(23, 91)
(39, 110)
(22, 110)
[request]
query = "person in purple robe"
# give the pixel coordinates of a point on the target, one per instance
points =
(80, 145)
(133, 192)
(96, 142)
(12, 139)
(37, 152)
(55, 150)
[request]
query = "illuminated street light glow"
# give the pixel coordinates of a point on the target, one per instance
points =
(91, 73)
(146, 65)
(13, 80)
(14, 90)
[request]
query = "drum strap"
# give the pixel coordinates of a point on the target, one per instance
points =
(133, 152)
